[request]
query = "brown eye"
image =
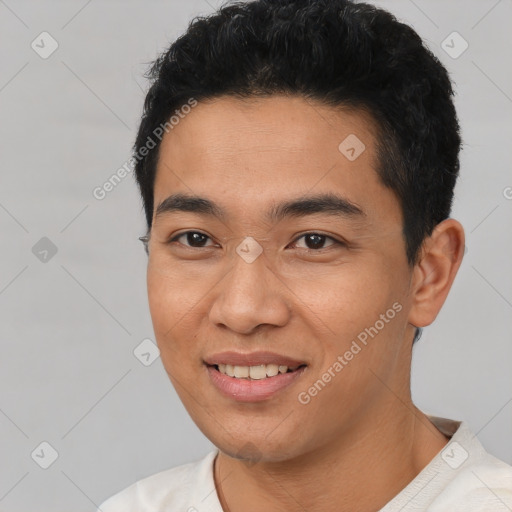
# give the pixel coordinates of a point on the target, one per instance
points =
(316, 241)
(194, 239)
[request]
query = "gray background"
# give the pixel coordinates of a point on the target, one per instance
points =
(69, 325)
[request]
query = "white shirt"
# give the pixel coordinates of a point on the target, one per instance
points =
(462, 477)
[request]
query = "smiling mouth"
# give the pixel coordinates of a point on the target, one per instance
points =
(258, 372)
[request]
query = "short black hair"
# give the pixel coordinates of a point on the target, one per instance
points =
(340, 53)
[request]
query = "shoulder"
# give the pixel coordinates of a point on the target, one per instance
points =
(175, 489)
(479, 487)
(462, 477)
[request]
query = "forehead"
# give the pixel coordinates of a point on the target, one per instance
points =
(276, 124)
(254, 152)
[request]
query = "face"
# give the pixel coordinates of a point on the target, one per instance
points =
(292, 262)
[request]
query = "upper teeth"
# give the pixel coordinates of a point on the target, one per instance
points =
(254, 372)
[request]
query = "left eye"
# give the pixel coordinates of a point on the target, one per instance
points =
(315, 241)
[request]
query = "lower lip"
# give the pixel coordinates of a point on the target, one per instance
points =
(246, 390)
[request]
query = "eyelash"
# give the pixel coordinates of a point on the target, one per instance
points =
(327, 237)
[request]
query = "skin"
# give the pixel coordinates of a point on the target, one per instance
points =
(362, 429)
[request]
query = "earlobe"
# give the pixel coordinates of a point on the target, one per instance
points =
(433, 275)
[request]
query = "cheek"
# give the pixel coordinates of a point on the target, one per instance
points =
(172, 293)
(163, 303)
(345, 300)
(174, 303)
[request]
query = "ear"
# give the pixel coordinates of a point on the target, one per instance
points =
(433, 275)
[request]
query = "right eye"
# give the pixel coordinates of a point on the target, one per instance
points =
(194, 239)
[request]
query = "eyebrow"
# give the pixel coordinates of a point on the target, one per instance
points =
(329, 203)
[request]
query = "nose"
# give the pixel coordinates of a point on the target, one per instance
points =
(250, 295)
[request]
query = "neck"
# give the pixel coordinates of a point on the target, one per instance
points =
(366, 467)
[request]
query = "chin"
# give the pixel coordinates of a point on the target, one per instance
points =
(254, 448)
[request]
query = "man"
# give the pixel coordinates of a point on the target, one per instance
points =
(297, 202)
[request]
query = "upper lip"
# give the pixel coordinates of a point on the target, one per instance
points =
(252, 359)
